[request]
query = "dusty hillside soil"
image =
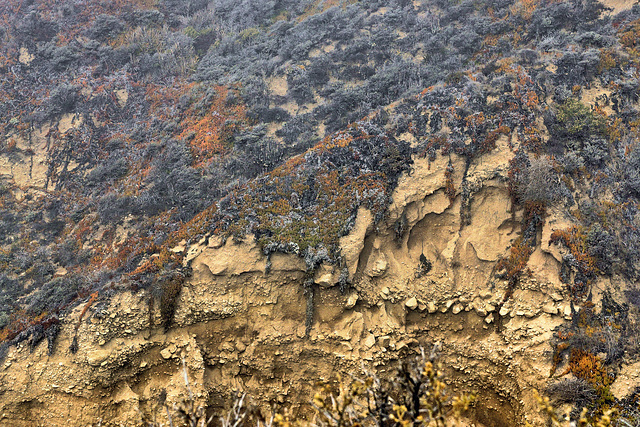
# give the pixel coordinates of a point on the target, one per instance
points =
(26, 171)
(242, 329)
(619, 5)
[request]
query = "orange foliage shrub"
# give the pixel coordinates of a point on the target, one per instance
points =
(589, 367)
(525, 8)
(209, 133)
(489, 142)
(516, 262)
(92, 299)
(162, 98)
(575, 239)
(20, 321)
(630, 37)
(533, 209)
(11, 145)
(432, 143)
(341, 139)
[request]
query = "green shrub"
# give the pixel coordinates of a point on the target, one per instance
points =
(576, 120)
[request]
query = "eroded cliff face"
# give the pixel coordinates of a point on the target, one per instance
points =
(268, 327)
(240, 325)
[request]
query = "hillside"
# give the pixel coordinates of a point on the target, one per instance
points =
(281, 191)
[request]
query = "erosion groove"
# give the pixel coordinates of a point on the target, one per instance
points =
(243, 330)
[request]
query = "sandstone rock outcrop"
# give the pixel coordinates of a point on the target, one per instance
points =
(242, 329)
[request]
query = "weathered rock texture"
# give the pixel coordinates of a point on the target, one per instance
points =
(242, 329)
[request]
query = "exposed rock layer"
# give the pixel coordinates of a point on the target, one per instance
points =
(242, 329)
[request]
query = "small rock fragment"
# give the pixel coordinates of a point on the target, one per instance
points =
(486, 294)
(379, 266)
(384, 341)
(370, 341)
(480, 311)
(556, 297)
(215, 242)
(178, 249)
(352, 299)
(166, 353)
(432, 307)
(447, 306)
(324, 276)
(411, 303)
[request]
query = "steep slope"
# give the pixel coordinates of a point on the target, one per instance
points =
(282, 191)
(243, 329)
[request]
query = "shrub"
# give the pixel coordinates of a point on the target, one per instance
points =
(633, 296)
(299, 86)
(603, 246)
(588, 367)
(540, 183)
(63, 99)
(631, 172)
(576, 120)
(113, 168)
(4, 319)
(589, 335)
(112, 207)
(54, 294)
(105, 27)
(170, 283)
(183, 7)
(40, 271)
(575, 390)
(9, 293)
(256, 154)
(572, 162)
(299, 132)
